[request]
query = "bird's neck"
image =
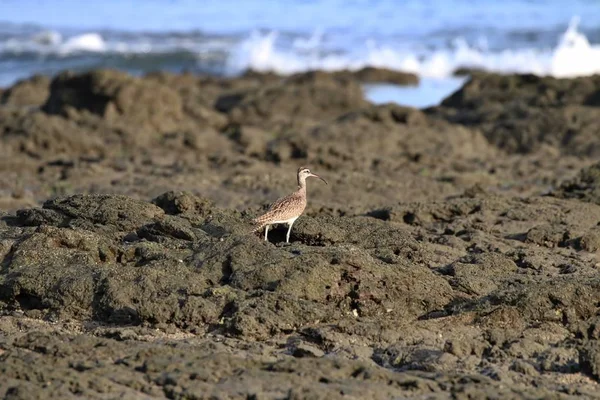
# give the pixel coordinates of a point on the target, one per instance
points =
(301, 184)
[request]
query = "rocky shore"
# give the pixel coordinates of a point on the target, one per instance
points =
(454, 253)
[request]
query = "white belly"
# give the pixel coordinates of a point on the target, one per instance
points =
(287, 221)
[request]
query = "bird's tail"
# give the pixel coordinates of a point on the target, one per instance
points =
(257, 225)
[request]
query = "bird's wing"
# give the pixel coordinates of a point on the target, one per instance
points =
(278, 209)
(281, 203)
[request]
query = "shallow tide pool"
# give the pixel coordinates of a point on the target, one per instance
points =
(429, 92)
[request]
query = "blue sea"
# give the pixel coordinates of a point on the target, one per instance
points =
(432, 38)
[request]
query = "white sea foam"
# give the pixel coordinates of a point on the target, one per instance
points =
(572, 56)
(428, 52)
(47, 38)
(52, 42)
(92, 42)
(575, 55)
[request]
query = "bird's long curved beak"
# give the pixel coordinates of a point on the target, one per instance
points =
(317, 176)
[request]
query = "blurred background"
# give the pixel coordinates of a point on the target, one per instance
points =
(433, 38)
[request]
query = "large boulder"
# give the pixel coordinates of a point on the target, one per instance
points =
(116, 259)
(522, 113)
(31, 92)
(314, 95)
(117, 96)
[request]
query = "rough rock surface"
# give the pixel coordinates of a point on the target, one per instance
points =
(585, 186)
(453, 254)
(523, 112)
(31, 92)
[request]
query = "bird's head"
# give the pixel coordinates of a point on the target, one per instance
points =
(304, 173)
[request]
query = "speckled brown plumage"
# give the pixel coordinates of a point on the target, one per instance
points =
(288, 208)
(284, 209)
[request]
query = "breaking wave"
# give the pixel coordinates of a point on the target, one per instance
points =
(572, 56)
(24, 52)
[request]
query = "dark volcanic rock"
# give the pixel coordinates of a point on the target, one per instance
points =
(29, 92)
(432, 265)
(118, 212)
(42, 136)
(548, 235)
(523, 112)
(364, 75)
(311, 95)
(590, 241)
(115, 95)
(590, 359)
(183, 203)
(187, 278)
(481, 274)
(344, 284)
(389, 136)
(585, 186)
(88, 366)
(382, 75)
(530, 89)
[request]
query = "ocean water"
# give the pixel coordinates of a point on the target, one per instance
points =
(432, 38)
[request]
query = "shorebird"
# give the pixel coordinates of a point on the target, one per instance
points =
(287, 209)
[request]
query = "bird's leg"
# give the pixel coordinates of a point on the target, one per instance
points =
(287, 237)
(266, 232)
